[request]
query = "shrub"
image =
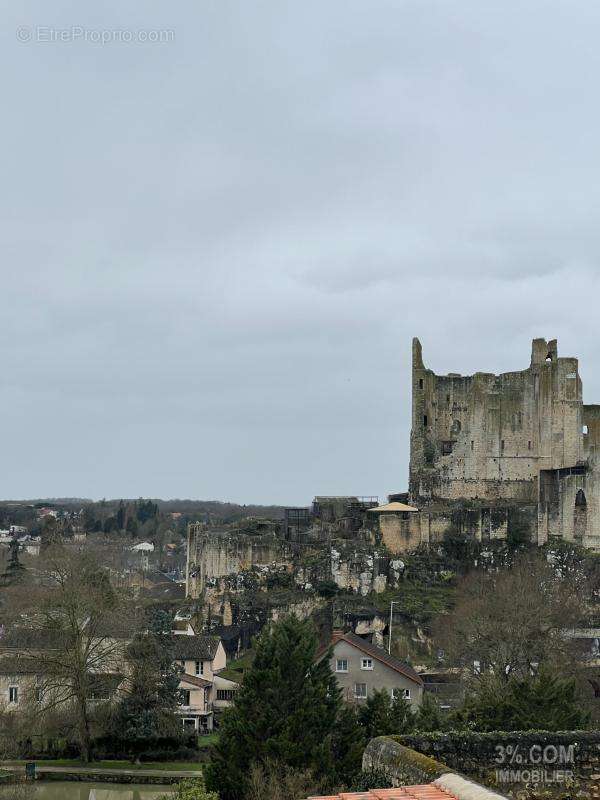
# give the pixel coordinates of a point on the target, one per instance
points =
(192, 789)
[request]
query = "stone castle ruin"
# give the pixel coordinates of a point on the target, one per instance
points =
(487, 449)
(492, 457)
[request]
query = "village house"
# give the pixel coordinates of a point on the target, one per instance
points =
(203, 692)
(362, 668)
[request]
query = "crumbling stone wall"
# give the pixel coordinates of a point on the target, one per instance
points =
(215, 554)
(502, 440)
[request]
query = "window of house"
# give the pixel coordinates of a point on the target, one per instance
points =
(341, 665)
(184, 697)
(403, 693)
(360, 690)
(366, 663)
(13, 694)
(406, 694)
(199, 667)
(225, 694)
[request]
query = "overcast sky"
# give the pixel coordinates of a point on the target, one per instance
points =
(216, 249)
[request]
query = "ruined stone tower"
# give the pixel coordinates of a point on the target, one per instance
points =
(491, 443)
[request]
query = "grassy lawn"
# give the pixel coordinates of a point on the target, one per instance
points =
(234, 671)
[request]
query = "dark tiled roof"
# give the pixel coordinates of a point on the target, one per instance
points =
(13, 665)
(30, 639)
(165, 591)
(202, 648)
(380, 654)
(194, 680)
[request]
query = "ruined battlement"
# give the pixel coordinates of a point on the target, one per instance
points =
(517, 437)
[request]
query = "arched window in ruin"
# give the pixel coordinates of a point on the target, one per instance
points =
(580, 515)
(455, 429)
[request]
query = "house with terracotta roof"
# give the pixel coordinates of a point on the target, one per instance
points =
(362, 668)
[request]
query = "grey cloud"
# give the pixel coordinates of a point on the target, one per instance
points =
(216, 251)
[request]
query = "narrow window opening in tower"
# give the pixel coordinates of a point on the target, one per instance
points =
(424, 420)
(584, 430)
(502, 445)
(580, 518)
(420, 383)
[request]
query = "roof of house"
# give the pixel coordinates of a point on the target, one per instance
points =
(378, 653)
(194, 680)
(11, 665)
(425, 791)
(224, 683)
(201, 648)
(449, 786)
(31, 639)
(395, 506)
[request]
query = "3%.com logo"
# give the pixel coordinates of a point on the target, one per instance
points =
(537, 754)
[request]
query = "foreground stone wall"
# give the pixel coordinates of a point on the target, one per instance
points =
(404, 766)
(525, 765)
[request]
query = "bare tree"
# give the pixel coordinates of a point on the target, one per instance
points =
(276, 782)
(67, 630)
(510, 622)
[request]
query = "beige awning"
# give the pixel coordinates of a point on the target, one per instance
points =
(391, 507)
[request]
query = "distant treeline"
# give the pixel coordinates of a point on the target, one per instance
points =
(120, 510)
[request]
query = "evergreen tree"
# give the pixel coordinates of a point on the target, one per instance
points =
(148, 709)
(348, 744)
(14, 571)
(132, 526)
(382, 716)
(429, 717)
(285, 711)
(120, 517)
(146, 510)
(545, 701)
